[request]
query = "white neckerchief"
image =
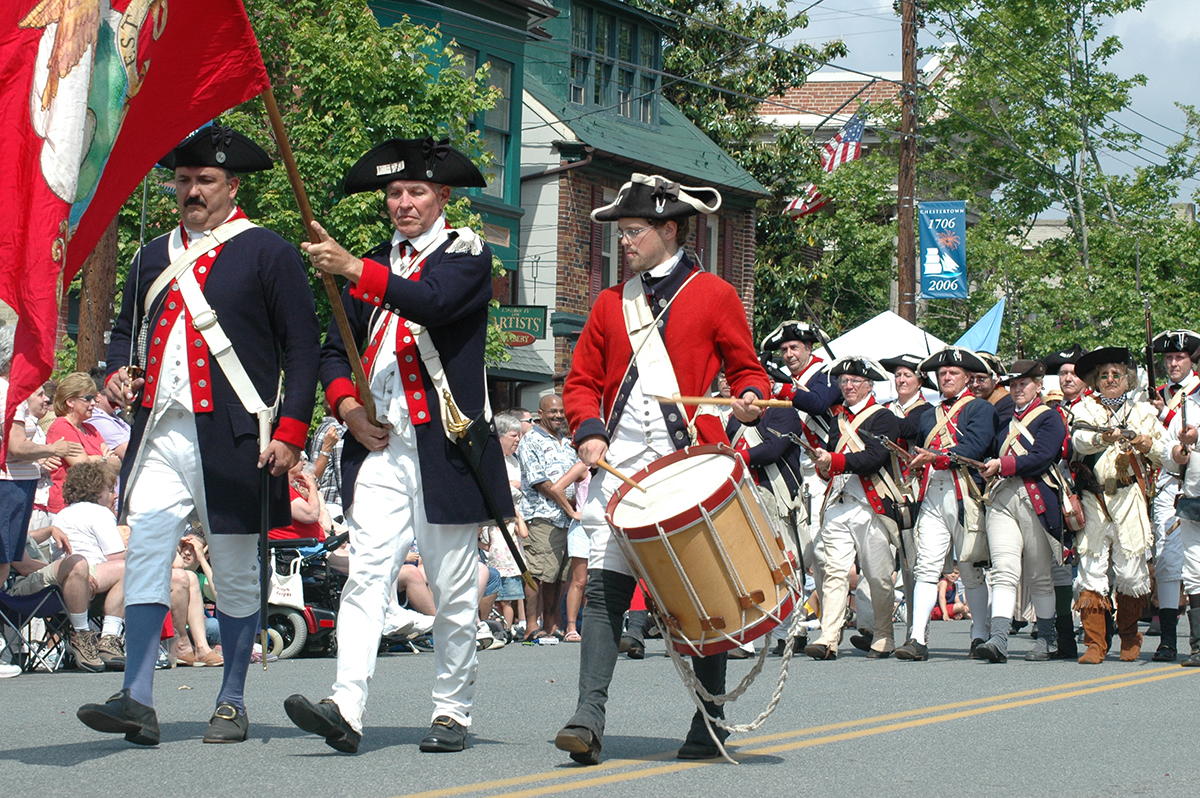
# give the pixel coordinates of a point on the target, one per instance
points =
(419, 243)
(856, 409)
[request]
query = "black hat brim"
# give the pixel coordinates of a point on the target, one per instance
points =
(657, 199)
(420, 160)
(958, 356)
(1087, 366)
(220, 147)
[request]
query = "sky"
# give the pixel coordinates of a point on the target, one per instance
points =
(1162, 42)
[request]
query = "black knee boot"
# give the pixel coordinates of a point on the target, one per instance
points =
(1168, 638)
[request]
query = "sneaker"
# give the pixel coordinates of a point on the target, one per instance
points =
(112, 652)
(163, 662)
(483, 636)
(85, 648)
(9, 671)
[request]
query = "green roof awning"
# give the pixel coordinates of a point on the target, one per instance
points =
(524, 365)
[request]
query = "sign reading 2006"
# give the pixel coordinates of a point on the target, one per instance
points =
(943, 249)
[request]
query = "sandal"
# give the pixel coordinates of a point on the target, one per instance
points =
(534, 636)
(572, 637)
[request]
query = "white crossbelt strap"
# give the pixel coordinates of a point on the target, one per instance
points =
(204, 319)
(215, 238)
(655, 371)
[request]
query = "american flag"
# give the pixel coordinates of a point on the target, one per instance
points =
(845, 146)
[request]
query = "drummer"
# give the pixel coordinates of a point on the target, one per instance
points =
(608, 401)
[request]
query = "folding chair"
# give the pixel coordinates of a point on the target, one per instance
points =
(16, 614)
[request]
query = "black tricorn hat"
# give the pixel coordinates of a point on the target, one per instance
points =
(1176, 341)
(423, 160)
(858, 366)
(1087, 366)
(792, 330)
(657, 199)
(1057, 359)
(1023, 368)
(219, 146)
(994, 366)
(910, 362)
(959, 356)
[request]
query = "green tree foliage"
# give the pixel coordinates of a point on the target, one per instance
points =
(1017, 136)
(343, 84)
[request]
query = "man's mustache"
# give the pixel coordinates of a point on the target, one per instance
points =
(195, 201)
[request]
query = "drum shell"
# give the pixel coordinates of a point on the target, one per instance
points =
(733, 510)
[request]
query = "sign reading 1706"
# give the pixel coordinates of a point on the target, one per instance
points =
(943, 249)
(524, 323)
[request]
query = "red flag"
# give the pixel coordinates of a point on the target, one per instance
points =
(92, 94)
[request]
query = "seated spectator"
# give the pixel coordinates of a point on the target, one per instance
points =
(415, 586)
(308, 517)
(106, 418)
(192, 569)
(71, 575)
(35, 408)
(951, 604)
(73, 403)
(90, 524)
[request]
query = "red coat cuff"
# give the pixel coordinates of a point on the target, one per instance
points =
(338, 390)
(372, 284)
(837, 463)
(942, 463)
(291, 430)
(1008, 466)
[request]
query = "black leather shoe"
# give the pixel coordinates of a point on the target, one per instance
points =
(122, 715)
(818, 651)
(873, 654)
(863, 640)
(1165, 653)
(445, 735)
(323, 719)
(698, 749)
(989, 652)
(582, 744)
(634, 649)
(1192, 661)
(912, 650)
(973, 653)
(227, 725)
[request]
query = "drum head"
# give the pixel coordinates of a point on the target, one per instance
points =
(674, 488)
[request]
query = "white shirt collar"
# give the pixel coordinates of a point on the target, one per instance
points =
(664, 268)
(196, 235)
(419, 243)
(916, 397)
(856, 409)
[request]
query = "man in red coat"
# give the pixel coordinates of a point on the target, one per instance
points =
(688, 324)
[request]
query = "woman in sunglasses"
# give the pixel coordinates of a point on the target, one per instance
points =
(73, 403)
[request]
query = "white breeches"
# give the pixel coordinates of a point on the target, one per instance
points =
(388, 512)
(937, 531)
(1018, 542)
(851, 527)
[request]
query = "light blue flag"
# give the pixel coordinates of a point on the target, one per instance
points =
(984, 335)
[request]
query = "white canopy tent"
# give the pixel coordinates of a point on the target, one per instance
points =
(886, 335)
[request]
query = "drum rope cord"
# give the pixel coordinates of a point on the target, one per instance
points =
(758, 533)
(699, 694)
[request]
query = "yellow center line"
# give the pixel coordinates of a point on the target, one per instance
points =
(938, 714)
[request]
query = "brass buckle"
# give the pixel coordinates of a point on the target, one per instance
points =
(226, 708)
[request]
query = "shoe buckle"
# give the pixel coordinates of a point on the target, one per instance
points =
(444, 720)
(226, 712)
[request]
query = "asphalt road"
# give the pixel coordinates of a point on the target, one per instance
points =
(856, 727)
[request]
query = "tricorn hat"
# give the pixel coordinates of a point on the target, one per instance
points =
(1023, 368)
(657, 199)
(792, 330)
(959, 356)
(994, 366)
(1087, 366)
(1057, 359)
(219, 146)
(910, 362)
(423, 160)
(1176, 341)
(858, 366)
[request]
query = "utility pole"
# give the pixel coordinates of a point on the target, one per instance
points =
(906, 278)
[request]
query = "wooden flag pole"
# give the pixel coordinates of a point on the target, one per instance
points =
(306, 214)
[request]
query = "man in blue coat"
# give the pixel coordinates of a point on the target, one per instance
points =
(199, 436)
(1024, 519)
(419, 305)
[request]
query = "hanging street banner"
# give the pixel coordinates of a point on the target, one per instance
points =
(943, 249)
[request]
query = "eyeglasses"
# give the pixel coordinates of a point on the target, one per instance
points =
(91, 397)
(845, 381)
(629, 234)
(978, 378)
(1112, 376)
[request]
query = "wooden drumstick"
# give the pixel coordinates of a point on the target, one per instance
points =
(604, 464)
(719, 400)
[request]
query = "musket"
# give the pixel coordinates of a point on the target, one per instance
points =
(900, 452)
(955, 458)
(1151, 382)
(812, 451)
(1126, 433)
